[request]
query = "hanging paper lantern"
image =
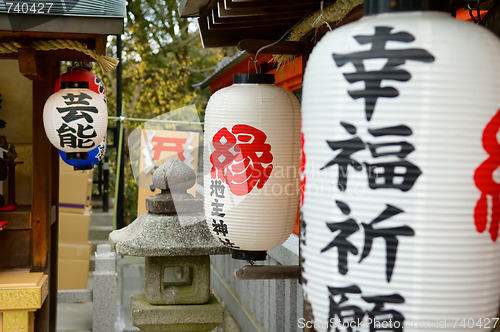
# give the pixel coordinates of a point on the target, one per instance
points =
(76, 74)
(400, 121)
(252, 156)
(93, 158)
(75, 119)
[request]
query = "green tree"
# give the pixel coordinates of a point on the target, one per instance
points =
(162, 58)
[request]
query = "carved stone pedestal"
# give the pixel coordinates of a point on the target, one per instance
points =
(177, 271)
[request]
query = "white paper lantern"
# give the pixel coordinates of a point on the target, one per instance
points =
(252, 158)
(75, 119)
(402, 206)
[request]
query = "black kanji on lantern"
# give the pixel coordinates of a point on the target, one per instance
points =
(78, 112)
(348, 315)
(388, 234)
(343, 245)
(351, 317)
(343, 159)
(384, 319)
(350, 226)
(390, 71)
(217, 208)
(400, 174)
(86, 132)
(76, 138)
(217, 188)
(77, 108)
(72, 99)
(227, 242)
(219, 227)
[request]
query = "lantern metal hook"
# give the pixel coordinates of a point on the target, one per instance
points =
(269, 45)
(478, 11)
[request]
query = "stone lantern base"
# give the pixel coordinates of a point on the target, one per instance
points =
(175, 318)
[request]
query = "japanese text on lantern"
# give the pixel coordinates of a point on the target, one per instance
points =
(218, 226)
(390, 168)
(241, 158)
(75, 134)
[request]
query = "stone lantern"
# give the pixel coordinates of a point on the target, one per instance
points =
(177, 270)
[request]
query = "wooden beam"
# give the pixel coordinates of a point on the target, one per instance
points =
(29, 64)
(258, 11)
(283, 47)
(274, 3)
(231, 37)
(100, 45)
(214, 23)
(64, 24)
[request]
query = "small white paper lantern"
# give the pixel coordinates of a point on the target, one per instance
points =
(400, 121)
(252, 159)
(75, 119)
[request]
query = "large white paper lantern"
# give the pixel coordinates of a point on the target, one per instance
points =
(402, 201)
(252, 159)
(75, 119)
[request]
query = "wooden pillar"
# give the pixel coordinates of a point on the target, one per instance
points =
(44, 196)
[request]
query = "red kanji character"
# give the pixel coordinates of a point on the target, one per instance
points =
(483, 177)
(223, 141)
(243, 169)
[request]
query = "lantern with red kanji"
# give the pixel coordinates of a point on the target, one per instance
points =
(75, 119)
(252, 160)
(402, 205)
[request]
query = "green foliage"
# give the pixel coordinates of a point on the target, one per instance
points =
(162, 58)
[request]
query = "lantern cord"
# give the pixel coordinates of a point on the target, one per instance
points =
(316, 24)
(123, 118)
(267, 46)
(107, 64)
(478, 11)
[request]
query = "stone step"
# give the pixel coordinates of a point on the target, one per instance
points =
(100, 218)
(99, 233)
(95, 243)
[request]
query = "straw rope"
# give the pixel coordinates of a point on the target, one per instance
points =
(9, 47)
(334, 12)
(107, 64)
